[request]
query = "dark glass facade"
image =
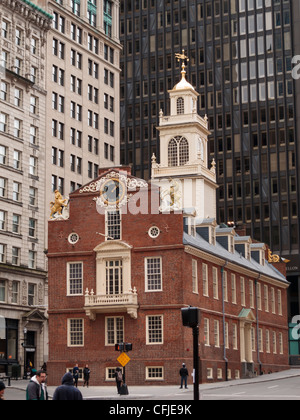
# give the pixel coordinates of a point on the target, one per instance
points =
(241, 64)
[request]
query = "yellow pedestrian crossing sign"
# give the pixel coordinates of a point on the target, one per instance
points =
(123, 359)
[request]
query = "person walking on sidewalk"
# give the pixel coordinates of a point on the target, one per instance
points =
(2, 390)
(119, 378)
(86, 375)
(36, 389)
(67, 391)
(76, 374)
(184, 373)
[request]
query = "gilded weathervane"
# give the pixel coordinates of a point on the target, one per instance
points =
(182, 57)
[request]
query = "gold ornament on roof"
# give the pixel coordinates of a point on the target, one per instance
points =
(57, 205)
(273, 258)
(183, 84)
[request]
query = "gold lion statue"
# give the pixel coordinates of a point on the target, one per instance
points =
(58, 204)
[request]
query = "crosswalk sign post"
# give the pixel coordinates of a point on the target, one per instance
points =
(124, 359)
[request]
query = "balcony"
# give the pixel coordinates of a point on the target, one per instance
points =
(97, 304)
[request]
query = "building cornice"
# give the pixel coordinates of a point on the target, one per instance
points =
(30, 11)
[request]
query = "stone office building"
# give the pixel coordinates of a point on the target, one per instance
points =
(23, 288)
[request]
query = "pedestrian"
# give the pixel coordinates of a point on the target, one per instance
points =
(2, 390)
(86, 375)
(37, 389)
(184, 376)
(119, 378)
(76, 374)
(67, 391)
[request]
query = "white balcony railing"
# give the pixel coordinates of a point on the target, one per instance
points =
(126, 302)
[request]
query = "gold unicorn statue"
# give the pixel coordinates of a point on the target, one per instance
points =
(57, 205)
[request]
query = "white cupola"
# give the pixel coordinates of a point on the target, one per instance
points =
(184, 149)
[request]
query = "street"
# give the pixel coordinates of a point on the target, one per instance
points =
(285, 389)
(278, 386)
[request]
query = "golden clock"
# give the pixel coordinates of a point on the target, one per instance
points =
(113, 191)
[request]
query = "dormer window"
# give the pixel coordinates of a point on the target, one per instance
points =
(180, 106)
(178, 151)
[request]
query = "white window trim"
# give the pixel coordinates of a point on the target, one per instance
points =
(147, 330)
(69, 332)
(195, 277)
(115, 330)
(68, 278)
(146, 275)
(106, 225)
(162, 378)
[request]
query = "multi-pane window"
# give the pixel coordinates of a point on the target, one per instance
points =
(206, 332)
(31, 294)
(16, 223)
(32, 228)
(195, 276)
(2, 291)
(75, 278)
(3, 187)
(31, 259)
(32, 196)
(3, 122)
(15, 256)
(3, 155)
(178, 151)
(17, 160)
(113, 225)
(180, 106)
(205, 279)
(155, 329)
(153, 373)
(2, 253)
(217, 333)
(114, 330)
(4, 91)
(3, 217)
(107, 17)
(153, 269)
(15, 292)
(75, 332)
(33, 165)
(114, 277)
(16, 191)
(215, 283)
(243, 292)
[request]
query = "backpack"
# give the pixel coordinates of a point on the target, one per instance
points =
(119, 376)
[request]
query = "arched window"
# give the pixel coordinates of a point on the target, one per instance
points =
(173, 153)
(180, 106)
(178, 151)
(183, 152)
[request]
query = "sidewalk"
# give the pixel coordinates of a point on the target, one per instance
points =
(153, 392)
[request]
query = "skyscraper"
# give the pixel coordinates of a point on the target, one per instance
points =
(240, 61)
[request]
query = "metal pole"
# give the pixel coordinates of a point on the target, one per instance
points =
(196, 362)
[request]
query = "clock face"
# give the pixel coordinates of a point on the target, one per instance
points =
(113, 191)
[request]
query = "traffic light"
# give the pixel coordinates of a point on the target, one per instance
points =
(128, 347)
(190, 317)
(123, 347)
(119, 347)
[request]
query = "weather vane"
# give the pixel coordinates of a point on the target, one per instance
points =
(182, 57)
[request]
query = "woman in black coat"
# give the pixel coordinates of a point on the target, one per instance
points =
(86, 375)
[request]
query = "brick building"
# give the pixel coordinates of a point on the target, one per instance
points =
(132, 253)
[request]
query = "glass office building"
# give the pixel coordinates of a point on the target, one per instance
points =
(240, 55)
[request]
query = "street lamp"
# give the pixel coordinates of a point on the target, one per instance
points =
(24, 346)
